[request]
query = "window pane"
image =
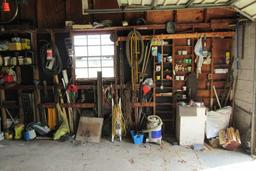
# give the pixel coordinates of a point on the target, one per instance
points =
(80, 40)
(105, 39)
(82, 73)
(81, 62)
(107, 61)
(94, 40)
(94, 50)
(94, 62)
(93, 72)
(107, 72)
(81, 51)
(107, 50)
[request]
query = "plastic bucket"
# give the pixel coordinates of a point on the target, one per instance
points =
(137, 138)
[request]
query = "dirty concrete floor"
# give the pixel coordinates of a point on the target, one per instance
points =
(106, 156)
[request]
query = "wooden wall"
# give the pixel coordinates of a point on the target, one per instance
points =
(52, 14)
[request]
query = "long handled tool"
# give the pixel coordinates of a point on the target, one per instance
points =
(70, 110)
(215, 92)
(64, 127)
(162, 67)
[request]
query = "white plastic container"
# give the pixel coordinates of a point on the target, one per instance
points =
(190, 125)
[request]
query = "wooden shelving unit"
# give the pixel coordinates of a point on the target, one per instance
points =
(22, 70)
(162, 76)
(183, 64)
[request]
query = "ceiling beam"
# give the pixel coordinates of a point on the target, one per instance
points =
(244, 13)
(231, 2)
(248, 5)
(178, 2)
(216, 1)
(189, 3)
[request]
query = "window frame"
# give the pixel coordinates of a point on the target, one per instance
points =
(80, 33)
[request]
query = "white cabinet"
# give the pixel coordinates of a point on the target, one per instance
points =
(190, 125)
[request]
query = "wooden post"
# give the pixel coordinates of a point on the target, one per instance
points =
(21, 112)
(36, 77)
(3, 111)
(99, 93)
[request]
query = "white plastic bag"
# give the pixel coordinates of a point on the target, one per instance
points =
(199, 53)
(216, 121)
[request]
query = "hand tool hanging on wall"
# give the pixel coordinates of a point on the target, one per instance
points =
(216, 95)
(64, 127)
(146, 60)
(134, 54)
(132, 57)
(70, 110)
(51, 63)
(162, 67)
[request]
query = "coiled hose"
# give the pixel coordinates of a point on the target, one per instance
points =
(57, 66)
(140, 45)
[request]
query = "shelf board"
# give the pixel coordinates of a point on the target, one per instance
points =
(164, 104)
(164, 94)
(183, 56)
(182, 72)
(165, 63)
(72, 105)
(164, 71)
(163, 80)
(180, 80)
(183, 46)
(17, 51)
(158, 88)
(144, 104)
(167, 45)
(185, 35)
(17, 65)
(159, 112)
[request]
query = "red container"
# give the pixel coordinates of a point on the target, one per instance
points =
(6, 7)
(8, 78)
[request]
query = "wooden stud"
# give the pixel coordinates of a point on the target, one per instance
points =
(99, 93)
(3, 111)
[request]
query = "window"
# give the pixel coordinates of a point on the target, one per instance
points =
(93, 53)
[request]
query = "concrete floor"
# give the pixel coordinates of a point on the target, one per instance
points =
(106, 156)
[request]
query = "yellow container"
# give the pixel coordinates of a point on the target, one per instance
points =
(25, 44)
(14, 46)
(52, 118)
(18, 131)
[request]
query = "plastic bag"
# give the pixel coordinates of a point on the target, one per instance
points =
(199, 53)
(216, 121)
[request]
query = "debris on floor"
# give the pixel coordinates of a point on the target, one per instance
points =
(214, 142)
(198, 147)
(229, 138)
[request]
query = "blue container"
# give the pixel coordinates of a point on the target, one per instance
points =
(137, 138)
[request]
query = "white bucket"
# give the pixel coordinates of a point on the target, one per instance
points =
(154, 129)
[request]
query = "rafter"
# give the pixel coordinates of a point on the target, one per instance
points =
(248, 5)
(231, 2)
(189, 3)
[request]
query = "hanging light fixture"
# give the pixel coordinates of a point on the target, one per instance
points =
(6, 6)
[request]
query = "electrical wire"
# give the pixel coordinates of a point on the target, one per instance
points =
(57, 66)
